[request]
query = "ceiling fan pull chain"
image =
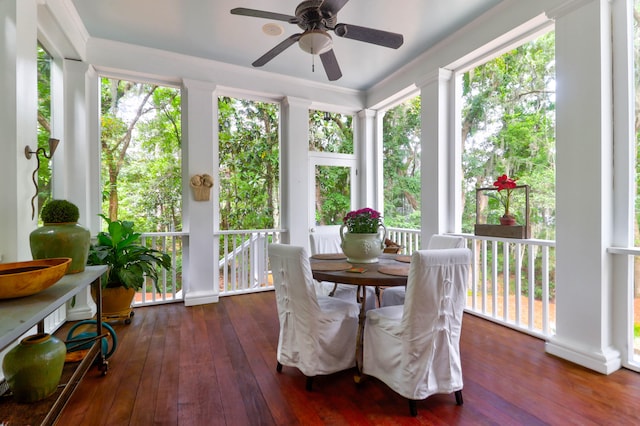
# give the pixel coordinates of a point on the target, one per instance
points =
(313, 62)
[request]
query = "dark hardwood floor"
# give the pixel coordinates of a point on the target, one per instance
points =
(216, 365)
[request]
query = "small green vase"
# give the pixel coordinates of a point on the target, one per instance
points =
(62, 240)
(33, 368)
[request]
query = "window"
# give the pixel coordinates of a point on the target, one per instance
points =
(636, 221)
(508, 127)
(401, 151)
(249, 153)
(44, 128)
(141, 154)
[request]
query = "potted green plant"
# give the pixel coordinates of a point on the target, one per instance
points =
(61, 236)
(129, 265)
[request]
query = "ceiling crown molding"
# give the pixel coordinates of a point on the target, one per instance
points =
(65, 22)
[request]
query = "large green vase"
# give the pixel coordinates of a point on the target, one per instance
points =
(62, 240)
(33, 368)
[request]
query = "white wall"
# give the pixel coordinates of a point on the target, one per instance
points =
(18, 115)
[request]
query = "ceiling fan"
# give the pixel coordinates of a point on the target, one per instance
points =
(316, 18)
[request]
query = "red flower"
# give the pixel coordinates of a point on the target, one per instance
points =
(507, 183)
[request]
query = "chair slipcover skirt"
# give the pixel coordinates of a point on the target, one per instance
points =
(414, 348)
(317, 333)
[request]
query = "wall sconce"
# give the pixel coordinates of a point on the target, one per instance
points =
(53, 144)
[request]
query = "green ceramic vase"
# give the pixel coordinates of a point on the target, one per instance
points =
(33, 368)
(62, 240)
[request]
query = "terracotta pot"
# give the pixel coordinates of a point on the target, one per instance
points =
(507, 220)
(116, 301)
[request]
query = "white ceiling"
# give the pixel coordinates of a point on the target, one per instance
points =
(206, 29)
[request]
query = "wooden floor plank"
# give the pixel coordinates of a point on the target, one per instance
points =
(165, 407)
(232, 398)
(215, 365)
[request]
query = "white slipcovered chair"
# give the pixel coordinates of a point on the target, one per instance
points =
(415, 348)
(395, 295)
(317, 333)
(328, 241)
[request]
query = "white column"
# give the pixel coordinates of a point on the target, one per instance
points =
(379, 158)
(367, 147)
(18, 119)
(437, 156)
(294, 170)
(584, 186)
(200, 156)
(72, 160)
(624, 176)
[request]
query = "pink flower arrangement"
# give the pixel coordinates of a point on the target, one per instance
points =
(363, 221)
(507, 184)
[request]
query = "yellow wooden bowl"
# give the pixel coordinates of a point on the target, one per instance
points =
(21, 279)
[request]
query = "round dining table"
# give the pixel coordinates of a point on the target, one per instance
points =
(390, 270)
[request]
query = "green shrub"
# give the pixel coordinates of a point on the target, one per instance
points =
(60, 211)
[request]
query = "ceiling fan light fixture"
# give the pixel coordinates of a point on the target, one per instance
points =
(315, 42)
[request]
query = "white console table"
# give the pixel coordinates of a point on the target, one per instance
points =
(18, 316)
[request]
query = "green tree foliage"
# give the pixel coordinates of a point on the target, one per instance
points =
(401, 150)
(44, 127)
(330, 132)
(249, 164)
(141, 154)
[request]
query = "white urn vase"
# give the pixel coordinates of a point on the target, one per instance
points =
(362, 248)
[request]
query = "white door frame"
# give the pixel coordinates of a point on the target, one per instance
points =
(329, 159)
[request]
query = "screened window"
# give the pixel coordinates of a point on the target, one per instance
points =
(44, 130)
(508, 127)
(141, 163)
(249, 153)
(401, 151)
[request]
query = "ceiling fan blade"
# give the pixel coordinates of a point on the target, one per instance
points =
(276, 50)
(264, 14)
(333, 6)
(331, 67)
(369, 35)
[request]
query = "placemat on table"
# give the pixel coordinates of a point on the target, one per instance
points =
(329, 256)
(330, 266)
(405, 259)
(401, 271)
